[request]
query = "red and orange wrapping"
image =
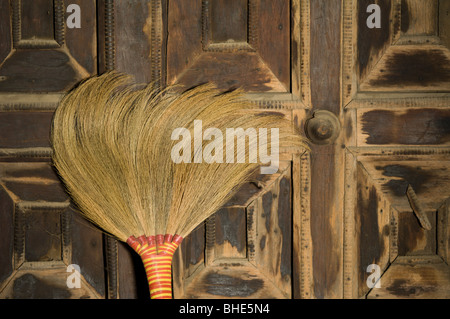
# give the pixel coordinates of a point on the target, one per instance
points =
(156, 253)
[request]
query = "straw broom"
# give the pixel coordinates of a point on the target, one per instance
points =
(112, 143)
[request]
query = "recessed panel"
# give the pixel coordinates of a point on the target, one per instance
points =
(234, 44)
(37, 19)
(228, 20)
(42, 236)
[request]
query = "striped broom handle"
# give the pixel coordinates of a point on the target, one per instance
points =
(156, 253)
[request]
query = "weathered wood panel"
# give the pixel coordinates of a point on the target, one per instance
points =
(412, 238)
(419, 278)
(444, 22)
(371, 43)
(86, 249)
(255, 238)
(25, 129)
(230, 233)
(203, 48)
(407, 54)
(233, 280)
(396, 81)
(273, 222)
(419, 17)
(393, 177)
(45, 237)
(37, 71)
(82, 42)
(41, 61)
(7, 235)
(326, 160)
(307, 233)
(133, 38)
(372, 225)
(403, 127)
(31, 27)
(411, 67)
(443, 232)
(5, 29)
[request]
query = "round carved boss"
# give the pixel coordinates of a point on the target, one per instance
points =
(323, 127)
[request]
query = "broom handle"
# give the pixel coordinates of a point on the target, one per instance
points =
(156, 253)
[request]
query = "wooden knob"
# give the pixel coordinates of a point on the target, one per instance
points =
(323, 127)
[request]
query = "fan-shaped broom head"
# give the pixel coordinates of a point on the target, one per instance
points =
(136, 162)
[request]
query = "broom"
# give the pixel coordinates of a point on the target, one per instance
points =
(116, 146)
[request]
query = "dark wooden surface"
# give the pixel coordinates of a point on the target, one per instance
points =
(309, 231)
(325, 71)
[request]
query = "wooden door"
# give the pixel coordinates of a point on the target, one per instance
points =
(363, 214)
(395, 99)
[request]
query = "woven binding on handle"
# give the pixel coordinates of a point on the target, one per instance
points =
(156, 253)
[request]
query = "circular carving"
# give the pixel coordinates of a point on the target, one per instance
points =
(323, 127)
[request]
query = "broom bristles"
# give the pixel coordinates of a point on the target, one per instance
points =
(112, 148)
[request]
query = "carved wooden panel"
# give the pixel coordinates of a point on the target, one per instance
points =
(395, 90)
(191, 43)
(260, 46)
(377, 195)
(43, 236)
(409, 53)
(246, 250)
(415, 278)
(45, 55)
(382, 227)
(405, 126)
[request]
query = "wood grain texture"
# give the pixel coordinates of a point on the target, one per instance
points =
(274, 236)
(30, 32)
(392, 177)
(5, 29)
(7, 235)
(140, 42)
(38, 71)
(48, 284)
(372, 226)
(444, 22)
(302, 277)
(30, 27)
(230, 233)
(385, 224)
(82, 43)
(350, 231)
(47, 61)
(405, 62)
(87, 251)
(404, 127)
(233, 13)
(419, 17)
(443, 232)
(44, 238)
(254, 236)
(420, 278)
(325, 211)
(194, 56)
(233, 280)
(28, 129)
(413, 239)
(371, 43)
(43, 61)
(419, 68)
(340, 207)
